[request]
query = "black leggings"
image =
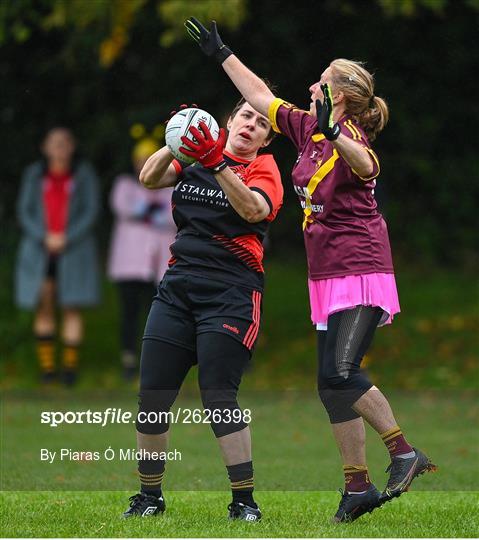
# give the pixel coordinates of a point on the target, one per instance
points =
(221, 362)
(341, 348)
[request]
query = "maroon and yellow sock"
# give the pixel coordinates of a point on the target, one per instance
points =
(45, 348)
(356, 478)
(70, 356)
(395, 442)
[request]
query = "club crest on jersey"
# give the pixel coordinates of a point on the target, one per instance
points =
(240, 171)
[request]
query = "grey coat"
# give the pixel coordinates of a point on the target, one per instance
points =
(77, 275)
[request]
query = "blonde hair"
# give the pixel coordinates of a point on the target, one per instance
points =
(357, 85)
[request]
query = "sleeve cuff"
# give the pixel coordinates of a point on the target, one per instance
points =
(265, 196)
(177, 165)
(272, 111)
(376, 167)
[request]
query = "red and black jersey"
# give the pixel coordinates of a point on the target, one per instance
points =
(213, 240)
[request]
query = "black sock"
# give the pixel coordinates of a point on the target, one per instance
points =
(151, 475)
(242, 483)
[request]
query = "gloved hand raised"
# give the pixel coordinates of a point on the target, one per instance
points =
(205, 149)
(324, 114)
(210, 42)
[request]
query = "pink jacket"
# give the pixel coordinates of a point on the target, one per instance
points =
(142, 233)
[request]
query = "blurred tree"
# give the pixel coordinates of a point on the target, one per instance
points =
(424, 54)
(114, 17)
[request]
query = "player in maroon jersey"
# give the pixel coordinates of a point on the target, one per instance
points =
(208, 307)
(351, 277)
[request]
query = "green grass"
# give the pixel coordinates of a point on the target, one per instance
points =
(292, 441)
(202, 514)
(426, 362)
(433, 343)
(293, 449)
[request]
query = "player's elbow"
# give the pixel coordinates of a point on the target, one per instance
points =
(143, 176)
(252, 218)
(146, 179)
(366, 170)
(254, 214)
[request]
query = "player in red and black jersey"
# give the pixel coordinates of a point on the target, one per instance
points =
(208, 307)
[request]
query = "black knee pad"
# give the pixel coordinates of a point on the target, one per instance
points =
(338, 394)
(153, 411)
(337, 407)
(224, 413)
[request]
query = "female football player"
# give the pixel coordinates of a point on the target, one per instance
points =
(351, 277)
(208, 307)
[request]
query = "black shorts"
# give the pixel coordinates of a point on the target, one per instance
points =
(187, 305)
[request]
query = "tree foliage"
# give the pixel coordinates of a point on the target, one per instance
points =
(113, 18)
(103, 65)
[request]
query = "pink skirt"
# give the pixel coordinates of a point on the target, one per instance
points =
(328, 296)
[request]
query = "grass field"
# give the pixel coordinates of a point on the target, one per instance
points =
(89, 496)
(426, 362)
(433, 343)
(202, 514)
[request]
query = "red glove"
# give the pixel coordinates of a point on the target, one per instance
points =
(180, 108)
(205, 149)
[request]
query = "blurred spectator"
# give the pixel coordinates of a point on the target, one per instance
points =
(139, 252)
(57, 260)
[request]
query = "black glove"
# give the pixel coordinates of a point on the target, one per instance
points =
(324, 113)
(210, 42)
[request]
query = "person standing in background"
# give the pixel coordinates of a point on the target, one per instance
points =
(57, 264)
(139, 251)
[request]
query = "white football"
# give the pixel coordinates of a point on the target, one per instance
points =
(180, 124)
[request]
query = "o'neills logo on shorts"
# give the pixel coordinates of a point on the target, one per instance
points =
(232, 328)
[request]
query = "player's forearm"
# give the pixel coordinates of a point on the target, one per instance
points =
(156, 172)
(251, 87)
(355, 155)
(250, 206)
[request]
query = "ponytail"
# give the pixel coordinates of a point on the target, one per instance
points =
(374, 118)
(357, 85)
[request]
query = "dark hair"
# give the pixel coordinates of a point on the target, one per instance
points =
(59, 127)
(76, 157)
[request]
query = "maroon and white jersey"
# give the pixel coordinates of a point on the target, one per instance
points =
(344, 233)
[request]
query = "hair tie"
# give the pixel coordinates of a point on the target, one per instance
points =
(371, 101)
